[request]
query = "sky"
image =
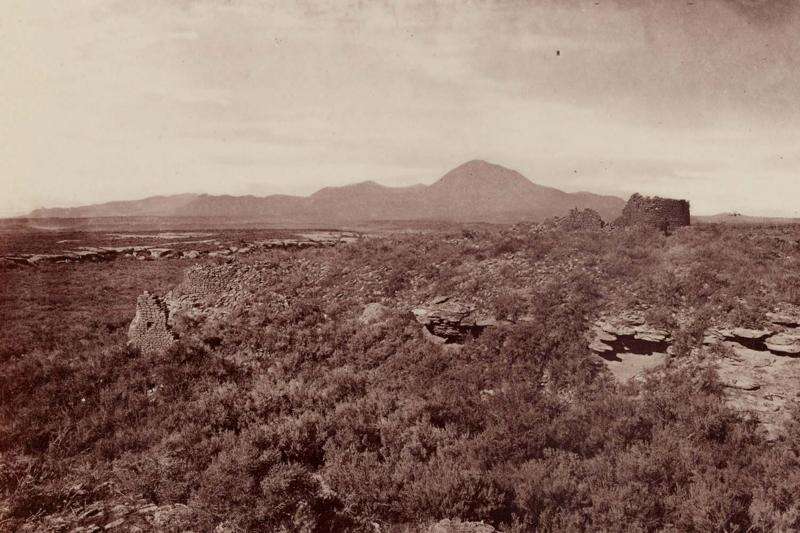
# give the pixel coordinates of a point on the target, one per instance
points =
(124, 99)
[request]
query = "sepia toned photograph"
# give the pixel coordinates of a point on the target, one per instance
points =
(399, 266)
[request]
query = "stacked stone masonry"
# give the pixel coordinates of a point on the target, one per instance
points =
(662, 213)
(149, 331)
(577, 220)
(207, 292)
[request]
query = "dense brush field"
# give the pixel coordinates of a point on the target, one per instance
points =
(301, 417)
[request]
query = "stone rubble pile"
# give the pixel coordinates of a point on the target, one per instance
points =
(206, 292)
(576, 220)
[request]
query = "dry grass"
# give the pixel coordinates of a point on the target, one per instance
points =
(302, 418)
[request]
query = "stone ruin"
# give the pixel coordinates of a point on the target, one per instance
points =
(206, 292)
(150, 331)
(656, 212)
(576, 220)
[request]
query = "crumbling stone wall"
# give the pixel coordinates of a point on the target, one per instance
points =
(662, 213)
(150, 331)
(207, 293)
(576, 220)
(203, 286)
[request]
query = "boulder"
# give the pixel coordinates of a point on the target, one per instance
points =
(161, 253)
(373, 312)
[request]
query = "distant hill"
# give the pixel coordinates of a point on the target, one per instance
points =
(476, 191)
(738, 218)
(152, 206)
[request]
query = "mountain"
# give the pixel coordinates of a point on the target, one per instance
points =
(483, 191)
(152, 206)
(476, 191)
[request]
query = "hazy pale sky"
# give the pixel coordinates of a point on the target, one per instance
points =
(110, 100)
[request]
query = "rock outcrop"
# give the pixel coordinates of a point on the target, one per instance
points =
(627, 332)
(761, 384)
(451, 321)
(656, 212)
(758, 368)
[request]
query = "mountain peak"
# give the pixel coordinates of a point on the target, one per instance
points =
(368, 183)
(478, 165)
(482, 173)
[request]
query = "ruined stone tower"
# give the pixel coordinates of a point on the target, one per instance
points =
(662, 213)
(149, 331)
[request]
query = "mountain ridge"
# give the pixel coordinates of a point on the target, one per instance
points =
(475, 191)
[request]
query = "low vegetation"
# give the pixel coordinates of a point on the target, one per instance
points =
(303, 418)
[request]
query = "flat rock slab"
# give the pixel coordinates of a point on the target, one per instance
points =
(645, 333)
(784, 319)
(746, 333)
(603, 336)
(784, 343)
(631, 365)
(740, 382)
(761, 383)
(617, 328)
(598, 346)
